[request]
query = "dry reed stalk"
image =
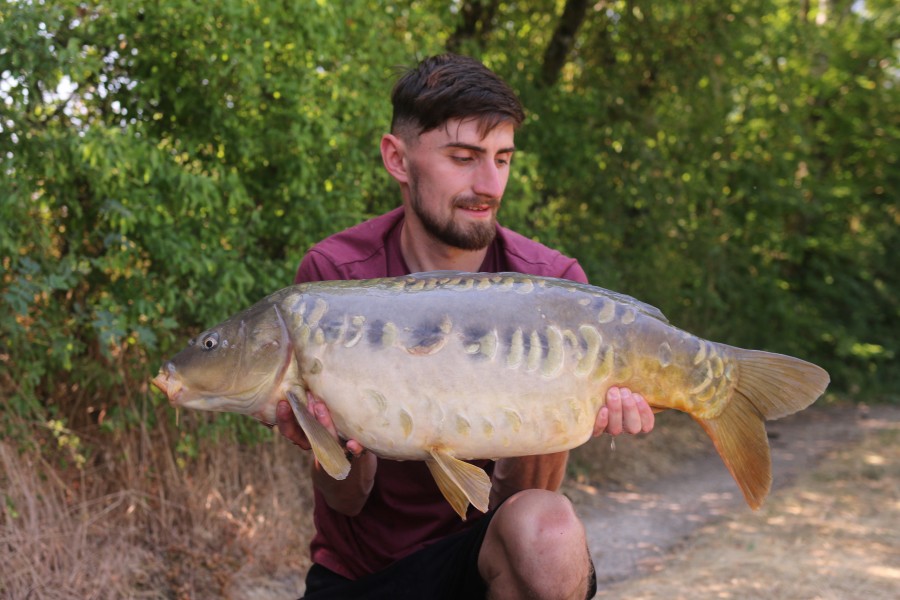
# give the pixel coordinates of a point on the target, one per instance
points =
(133, 524)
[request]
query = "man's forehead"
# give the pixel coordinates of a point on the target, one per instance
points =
(471, 132)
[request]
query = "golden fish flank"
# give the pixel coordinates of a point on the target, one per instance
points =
(443, 367)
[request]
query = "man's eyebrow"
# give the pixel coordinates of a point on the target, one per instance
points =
(474, 148)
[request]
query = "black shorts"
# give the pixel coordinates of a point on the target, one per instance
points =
(444, 570)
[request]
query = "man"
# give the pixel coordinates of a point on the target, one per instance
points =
(386, 531)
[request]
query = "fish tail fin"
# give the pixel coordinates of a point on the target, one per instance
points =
(769, 386)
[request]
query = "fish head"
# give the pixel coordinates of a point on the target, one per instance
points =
(237, 366)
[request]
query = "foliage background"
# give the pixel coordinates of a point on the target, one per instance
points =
(167, 163)
(164, 164)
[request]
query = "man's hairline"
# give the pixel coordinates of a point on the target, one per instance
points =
(412, 130)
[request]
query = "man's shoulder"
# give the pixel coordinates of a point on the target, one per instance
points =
(360, 241)
(348, 253)
(529, 256)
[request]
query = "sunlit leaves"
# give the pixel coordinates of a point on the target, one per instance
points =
(166, 163)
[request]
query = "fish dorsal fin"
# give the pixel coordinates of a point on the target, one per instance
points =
(327, 450)
(638, 305)
(641, 307)
(460, 482)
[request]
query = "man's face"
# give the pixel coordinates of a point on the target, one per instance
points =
(457, 179)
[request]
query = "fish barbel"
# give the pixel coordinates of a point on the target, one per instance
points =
(447, 367)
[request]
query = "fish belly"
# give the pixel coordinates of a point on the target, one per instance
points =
(401, 405)
(481, 367)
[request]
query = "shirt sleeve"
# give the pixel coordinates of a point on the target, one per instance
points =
(315, 266)
(574, 272)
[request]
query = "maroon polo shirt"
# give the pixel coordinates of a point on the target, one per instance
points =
(405, 510)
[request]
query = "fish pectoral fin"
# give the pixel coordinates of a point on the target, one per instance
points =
(460, 482)
(327, 449)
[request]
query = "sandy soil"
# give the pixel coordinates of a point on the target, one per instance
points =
(668, 521)
(635, 530)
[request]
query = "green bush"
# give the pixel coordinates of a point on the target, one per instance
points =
(166, 164)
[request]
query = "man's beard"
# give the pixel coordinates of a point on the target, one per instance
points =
(471, 236)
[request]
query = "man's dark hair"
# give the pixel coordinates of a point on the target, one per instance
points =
(450, 86)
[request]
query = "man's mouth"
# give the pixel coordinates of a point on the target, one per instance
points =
(477, 207)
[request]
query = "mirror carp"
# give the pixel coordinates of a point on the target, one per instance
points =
(446, 367)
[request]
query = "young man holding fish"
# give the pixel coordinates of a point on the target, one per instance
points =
(386, 531)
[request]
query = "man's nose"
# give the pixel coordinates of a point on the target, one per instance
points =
(490, 180)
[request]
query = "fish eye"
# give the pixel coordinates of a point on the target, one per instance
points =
(210, 341)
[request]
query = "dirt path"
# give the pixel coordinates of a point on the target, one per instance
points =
(629, 532)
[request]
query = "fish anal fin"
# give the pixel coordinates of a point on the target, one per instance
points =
(327, 449)
(460, 482)
(739, 434)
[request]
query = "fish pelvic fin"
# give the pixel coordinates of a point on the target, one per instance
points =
(327, 450)
(769, 386)
(460, 482)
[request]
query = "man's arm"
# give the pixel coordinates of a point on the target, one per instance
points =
(346, 496)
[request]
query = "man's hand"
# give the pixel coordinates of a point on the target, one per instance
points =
(347, 496)
(290, 428)
(624, 411)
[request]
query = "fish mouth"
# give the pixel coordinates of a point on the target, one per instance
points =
(168, 384)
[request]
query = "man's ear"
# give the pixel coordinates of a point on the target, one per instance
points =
(393, 154)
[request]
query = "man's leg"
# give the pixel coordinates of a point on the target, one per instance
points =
(535, 547)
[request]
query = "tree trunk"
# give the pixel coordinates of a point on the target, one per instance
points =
(562, 41)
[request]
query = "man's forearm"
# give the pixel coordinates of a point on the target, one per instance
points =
(347, 496)
(512, 475)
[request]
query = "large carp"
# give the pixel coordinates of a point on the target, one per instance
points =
(446, 366)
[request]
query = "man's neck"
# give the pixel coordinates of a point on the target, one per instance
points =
(424, 253)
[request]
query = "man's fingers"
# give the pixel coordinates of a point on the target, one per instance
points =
(322, 414)
(631, 417)
(602, 420)
(648, 419)
(288, 426)
(614, 403)
(627, 413)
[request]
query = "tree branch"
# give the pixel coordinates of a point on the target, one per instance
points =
(476, 24)
(562, 41)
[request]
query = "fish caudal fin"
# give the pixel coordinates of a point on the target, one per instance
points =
(327, 450)
(460, 482)
(769, 386)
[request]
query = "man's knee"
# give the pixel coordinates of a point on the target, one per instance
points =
(536, 543)
(539, 518)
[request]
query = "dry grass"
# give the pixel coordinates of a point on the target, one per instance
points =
(235, 523)
(132, 524)
(833, 535)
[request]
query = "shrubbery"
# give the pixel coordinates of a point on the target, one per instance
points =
(164, 165)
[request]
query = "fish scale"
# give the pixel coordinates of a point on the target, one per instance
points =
(447, 367)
